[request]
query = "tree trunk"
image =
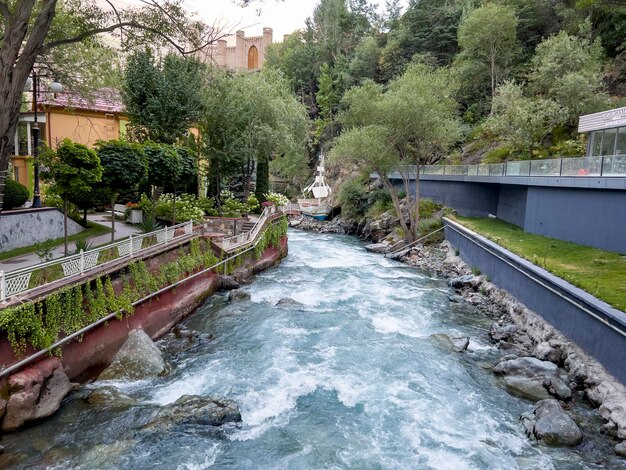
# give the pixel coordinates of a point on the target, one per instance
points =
(65, 222)
(85, 217)
(113, 198)
(414, 210)
(396, 204)
(19, 49)
(174, 207)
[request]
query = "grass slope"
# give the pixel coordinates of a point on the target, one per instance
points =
(600, 273)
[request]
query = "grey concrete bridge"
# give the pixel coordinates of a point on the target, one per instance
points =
(583, 202)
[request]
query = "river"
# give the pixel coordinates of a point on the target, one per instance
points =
(349, 378)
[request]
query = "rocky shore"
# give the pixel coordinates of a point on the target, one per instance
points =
(537, 363)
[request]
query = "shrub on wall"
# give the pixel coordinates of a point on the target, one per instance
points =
(15, 194)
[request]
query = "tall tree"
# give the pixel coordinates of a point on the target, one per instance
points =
(29, 32)
(568, 69)
(413, 122)
(72, 168)
(124, 167)
(488, 35)
(163, 101)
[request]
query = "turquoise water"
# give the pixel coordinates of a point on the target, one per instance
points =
(350, 378)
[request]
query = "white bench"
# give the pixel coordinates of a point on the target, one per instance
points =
(119, 211)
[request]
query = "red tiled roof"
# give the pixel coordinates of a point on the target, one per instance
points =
(107, 101)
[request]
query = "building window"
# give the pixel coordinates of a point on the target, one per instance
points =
(608, 142)
(253, 58)
(620, 143)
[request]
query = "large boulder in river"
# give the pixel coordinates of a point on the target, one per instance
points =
(238, 295)
(34, 393)
(195, 410)
(110, 396)
(452, 342)
(534, 379)
(549, 423)
(228, 283)
(139, 358)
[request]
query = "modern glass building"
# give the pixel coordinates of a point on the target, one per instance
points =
(607, 132)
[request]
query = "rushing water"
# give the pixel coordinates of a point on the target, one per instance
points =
(350, 378)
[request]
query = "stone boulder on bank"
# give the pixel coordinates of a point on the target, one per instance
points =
(228, 283)
(377, 248)
(34, 393)
(534, 379)
(549, 423)
(138, 359)
(195, 410)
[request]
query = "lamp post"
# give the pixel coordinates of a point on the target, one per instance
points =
(56, 87)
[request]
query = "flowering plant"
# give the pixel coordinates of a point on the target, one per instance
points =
(277, 198)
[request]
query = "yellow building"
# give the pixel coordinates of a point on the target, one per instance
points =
(66, 116)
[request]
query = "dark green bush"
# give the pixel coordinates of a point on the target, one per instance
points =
(353, 198)
(15, 194)
(427, 208)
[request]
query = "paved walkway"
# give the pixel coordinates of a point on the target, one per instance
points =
(122, 230)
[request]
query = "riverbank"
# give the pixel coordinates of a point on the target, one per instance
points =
(520, 333)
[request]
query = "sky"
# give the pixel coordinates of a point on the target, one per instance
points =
(283, 17)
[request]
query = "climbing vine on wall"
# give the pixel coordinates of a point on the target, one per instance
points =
(41, 324)
(272, 236)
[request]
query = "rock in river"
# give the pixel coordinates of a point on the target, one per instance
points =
(110, 396)
(549, 423)
(238, 295)
(454, 343)
(139, 358)
(377, 248)
(289, 302)
(195, 410)
(534, 379)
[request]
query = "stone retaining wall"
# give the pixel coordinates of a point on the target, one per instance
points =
(30, 226)
(595, 326)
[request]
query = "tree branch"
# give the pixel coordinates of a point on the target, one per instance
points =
(129, 24)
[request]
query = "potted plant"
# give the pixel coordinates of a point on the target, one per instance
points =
(135, 214)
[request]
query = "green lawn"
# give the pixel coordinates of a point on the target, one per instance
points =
(601, 273)
(93, 229)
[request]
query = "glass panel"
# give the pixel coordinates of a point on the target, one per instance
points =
(608, 141)
(519, 168)
(597, 143)
(620, 144)
(549, 167)
(581, 166)
(614, 166)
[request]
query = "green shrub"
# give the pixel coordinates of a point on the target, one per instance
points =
(15, 194)
(427, 208)
(497, 155)
(353, 198)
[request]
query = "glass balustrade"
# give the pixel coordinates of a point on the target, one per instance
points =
(606, 166)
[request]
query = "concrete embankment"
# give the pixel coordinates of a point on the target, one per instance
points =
(35, 391)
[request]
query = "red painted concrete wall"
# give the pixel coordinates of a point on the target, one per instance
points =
(83, 360)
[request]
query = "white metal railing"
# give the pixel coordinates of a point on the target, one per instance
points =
(238, 241)
(607, 166)
(23, 280)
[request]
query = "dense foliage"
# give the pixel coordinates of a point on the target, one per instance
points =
(15, 194)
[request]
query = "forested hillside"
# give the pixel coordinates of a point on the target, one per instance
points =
(520, 71)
